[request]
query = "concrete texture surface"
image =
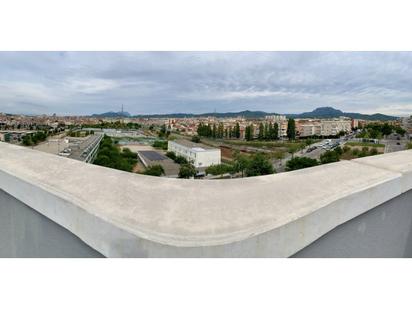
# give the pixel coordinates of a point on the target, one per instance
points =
(26, 233)
(121, 214)
(382, 232)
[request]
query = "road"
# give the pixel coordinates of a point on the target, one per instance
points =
(280, 165)
(392, 143)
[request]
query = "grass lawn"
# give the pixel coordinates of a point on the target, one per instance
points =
(361, 144)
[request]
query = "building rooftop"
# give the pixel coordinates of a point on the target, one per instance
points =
(197, 147)
(151, 157)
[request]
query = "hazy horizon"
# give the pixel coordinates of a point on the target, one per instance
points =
(85, 83)
(189, 113)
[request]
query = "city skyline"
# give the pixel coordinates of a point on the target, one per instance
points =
(84, 83)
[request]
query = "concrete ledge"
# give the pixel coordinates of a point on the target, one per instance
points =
(121, 214)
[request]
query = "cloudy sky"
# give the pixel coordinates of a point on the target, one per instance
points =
(83, 83)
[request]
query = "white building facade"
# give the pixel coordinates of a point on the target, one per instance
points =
(334, 126)
(199, 155)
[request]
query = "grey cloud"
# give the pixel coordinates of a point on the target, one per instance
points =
(162, 82)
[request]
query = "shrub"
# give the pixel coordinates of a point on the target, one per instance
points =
(300, 162)
(219, 169)
(180, 160)
(259, 165)
(171, 155)
(373, 152)
(196, 139)
(160, 144)
(154, 170)
(329, 157)
(338, 150)
(187, 170)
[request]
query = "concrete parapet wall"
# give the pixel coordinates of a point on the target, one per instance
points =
(120, 214)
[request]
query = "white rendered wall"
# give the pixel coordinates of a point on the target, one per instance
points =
(121, 214)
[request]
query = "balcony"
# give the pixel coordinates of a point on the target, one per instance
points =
(52, 206)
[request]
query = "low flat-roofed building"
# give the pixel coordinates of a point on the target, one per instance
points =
(200, 155)
(151, 157)
(14, 136)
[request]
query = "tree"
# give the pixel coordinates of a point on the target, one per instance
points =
(155, 170)
(110, 156)
(292, 149)
(374, 134)
(160, 144)
(339, 150)
(300, 162)
(249, 133)
(163, 131)
(180, 160)
(187, 170)
(400, 131)
(237, 130)
(214, 131)
(308, 142)
(386, 129)
(341, 133)
(270, 132)
(230, 135)
(219, 169)
(127, 153)
(241, 162)
(27, 140)
(220, 130)
(196, 139)
(261, 134)
(266, 132)
(275, 133)
(291, 131)
(259, 165)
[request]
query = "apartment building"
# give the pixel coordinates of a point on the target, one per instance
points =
(310, 130)
(335, 125)
(407, 124)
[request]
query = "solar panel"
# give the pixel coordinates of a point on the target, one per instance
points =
(152, 155)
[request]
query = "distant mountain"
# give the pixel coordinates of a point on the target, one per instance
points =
(330, 112)
(320, 112)
(112, 114)
(246, 114)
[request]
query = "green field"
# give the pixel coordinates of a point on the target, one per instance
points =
(361, 144)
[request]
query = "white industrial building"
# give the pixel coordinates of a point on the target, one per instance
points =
(199, 155)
